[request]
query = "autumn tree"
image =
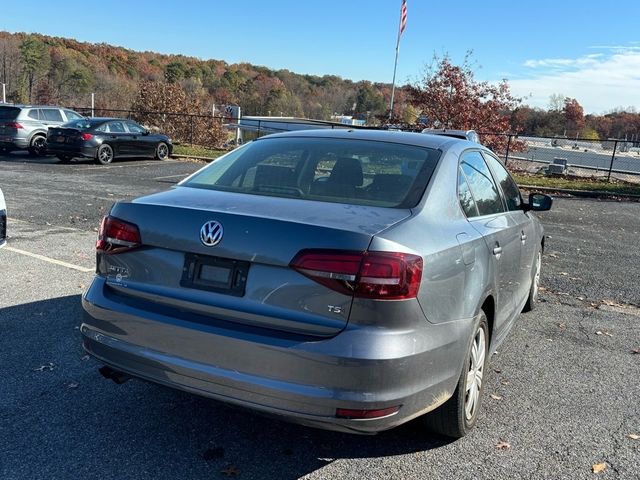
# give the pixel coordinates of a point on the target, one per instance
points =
(574, 117)
(450, 97)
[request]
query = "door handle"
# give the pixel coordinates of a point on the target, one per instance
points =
(113, 136)
(523, 237)
(497, 250)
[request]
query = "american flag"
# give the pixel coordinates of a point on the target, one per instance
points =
(403, 16)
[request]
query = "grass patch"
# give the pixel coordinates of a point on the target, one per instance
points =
(569, 183)
(197, 151)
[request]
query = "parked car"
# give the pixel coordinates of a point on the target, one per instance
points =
(3, 221)
(25, 126)
(105, 139)
(345, 279)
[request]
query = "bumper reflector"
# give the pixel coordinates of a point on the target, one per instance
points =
(365, 414)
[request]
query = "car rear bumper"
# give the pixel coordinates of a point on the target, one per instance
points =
(13, 142)
(71, 150)
(303, 380)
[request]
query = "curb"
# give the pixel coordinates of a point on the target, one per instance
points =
(583, 193)
(195, 157)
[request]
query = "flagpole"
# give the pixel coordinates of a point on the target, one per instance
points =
(395, 66)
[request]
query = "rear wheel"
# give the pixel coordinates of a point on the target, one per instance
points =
(64, 158)
(162, 151)
(104, 156)
(458, 415)
(38, 146)
(535, 283)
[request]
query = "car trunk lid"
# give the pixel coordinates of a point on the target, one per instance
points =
(261, 235)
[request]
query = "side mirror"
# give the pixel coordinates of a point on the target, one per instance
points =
(539, 202)
(146, 132)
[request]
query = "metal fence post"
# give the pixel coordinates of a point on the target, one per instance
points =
(191, 133)
(506, 158)
(613, 157)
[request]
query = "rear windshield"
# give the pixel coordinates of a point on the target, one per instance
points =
(83, 124)
(358, 172)
(9, 113)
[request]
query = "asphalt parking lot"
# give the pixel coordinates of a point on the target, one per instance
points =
(562, 395)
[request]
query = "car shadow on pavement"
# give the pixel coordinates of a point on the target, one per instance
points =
(61, 419)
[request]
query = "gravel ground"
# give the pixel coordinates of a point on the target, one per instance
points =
(564, 397)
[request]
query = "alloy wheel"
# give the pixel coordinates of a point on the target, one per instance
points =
(474, 375)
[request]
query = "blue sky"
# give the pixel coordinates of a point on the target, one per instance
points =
(580, 49)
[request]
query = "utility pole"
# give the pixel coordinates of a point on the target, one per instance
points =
(4, 93)
(93, 104)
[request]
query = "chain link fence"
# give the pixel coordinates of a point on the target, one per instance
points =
(609, 159)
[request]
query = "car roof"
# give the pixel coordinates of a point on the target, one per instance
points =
(19, 105)
(439, 142)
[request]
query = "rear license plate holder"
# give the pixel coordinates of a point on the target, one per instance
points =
(60, 139)
(215, 274)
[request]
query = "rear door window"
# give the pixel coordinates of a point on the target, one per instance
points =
(116, 127)
(507, 184)
(481, 183)
(34, 114)
(51, 115)
(339, 170)
(467, 202)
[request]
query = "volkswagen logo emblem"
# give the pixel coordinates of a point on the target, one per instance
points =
(211, 233)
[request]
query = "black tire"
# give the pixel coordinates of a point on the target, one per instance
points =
(64, 158)
(535, 282)
(162, 151)
(38, 146)
(451, 419)
(104, 155)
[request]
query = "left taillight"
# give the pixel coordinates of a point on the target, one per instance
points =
(117, 236)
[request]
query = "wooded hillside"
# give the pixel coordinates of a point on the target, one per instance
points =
(42, 69)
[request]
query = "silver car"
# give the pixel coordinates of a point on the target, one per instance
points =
(349, 280)
(25, 126)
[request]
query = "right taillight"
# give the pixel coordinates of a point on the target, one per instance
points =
(377, 275)
(86, 136)
(116, 236)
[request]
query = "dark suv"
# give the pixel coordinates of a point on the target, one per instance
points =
(25, 126)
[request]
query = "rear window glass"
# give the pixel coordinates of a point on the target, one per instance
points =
(9, 113)
(83, 124)
(325, 169)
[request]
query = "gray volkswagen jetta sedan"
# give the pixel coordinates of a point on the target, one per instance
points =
(344, 279)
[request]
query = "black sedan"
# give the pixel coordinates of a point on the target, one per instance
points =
(104, 139)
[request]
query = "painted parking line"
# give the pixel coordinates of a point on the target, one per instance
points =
(136, 164)
(50, 260)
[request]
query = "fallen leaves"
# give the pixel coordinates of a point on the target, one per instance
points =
(599, 467)
(635, 351)
(501, 445)
(45, 368)
(633, 436)
(495, 397)
(605, 333)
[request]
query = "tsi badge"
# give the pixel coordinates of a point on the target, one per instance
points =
(211, 233)
(334, 309)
